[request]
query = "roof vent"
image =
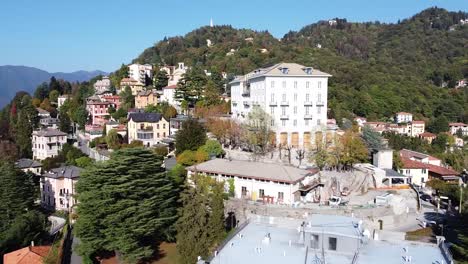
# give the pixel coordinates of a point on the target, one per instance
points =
(284, 70)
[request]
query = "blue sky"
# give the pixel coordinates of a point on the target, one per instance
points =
(58, 35)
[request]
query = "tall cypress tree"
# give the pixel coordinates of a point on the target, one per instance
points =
(127, 204)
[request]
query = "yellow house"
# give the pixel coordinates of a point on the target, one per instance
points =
(134, 85)
(150, 128)
(145, 98)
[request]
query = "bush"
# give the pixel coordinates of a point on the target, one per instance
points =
(161, 151)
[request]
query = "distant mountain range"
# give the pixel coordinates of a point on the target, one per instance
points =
(22, 78)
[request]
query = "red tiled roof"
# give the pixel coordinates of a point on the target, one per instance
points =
(441, 170)
(419, 122)
(427, 134)
(170, 86)
(457, 124)
(412, 164)
(27, 255)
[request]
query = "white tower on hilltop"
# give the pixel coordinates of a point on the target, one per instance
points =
(211, 22)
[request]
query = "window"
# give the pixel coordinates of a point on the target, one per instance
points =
(319, 97)
(319, 110)
(318, 122)
(307, 109)
(284, 84)
(332, 243)
(307, 84)
(295, 109)
(283, 110)
(283, 123)
(272, 110)
(314, 241)
(244, 191)
(307, 122)
(272, 97)
(295, 122)
(157, 126)
(407, 172)
(295, 97)
(307, 97)
(261, 193)
(423, 170)
(284, 70)
(272, 122)
(280, 196)
(319, 84)
(284, 97)
(422, 180)
(272, 84)
(164, 126)
(295, 84)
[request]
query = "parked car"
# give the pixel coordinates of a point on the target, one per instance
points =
(426, 197)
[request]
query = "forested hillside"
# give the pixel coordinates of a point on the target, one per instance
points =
(378, 69)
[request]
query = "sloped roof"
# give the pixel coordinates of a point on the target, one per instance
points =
(27, 255)
(442, 171)
(42, 111)
(49, 132)
(253, 170)
(412, 164)
(174, 86)
(27, 163)
(70, 172)
(145, 117)
(457, 124)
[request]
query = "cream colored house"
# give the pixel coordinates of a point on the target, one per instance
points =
(134, 85)
(150, 128)
(145, 98)
(58, 188)
(47, 142)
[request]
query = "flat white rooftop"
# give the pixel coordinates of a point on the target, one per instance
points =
(285, 245)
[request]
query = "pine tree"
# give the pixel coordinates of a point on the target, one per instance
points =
(161, 80)
(127, 204)
(190, 137)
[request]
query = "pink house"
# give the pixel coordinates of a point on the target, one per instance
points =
(98, 108)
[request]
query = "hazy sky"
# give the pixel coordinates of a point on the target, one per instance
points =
(62, 35)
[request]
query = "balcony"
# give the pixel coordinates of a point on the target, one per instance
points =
(246, 93)
(284, 103)
(273, 103)
(308, 103)
(246, 103)
(320, 103)
(284, 117)
(145, 134)
(306, 116)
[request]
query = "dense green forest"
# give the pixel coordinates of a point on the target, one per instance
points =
(378, 69)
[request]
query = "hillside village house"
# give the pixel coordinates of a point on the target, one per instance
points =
(270, 182)
(98, 107)
(28, 255)
(49, 122)
(169, 95)
(58, 188)
(61, 100)
(46, 143)
(422, 167)
(150, 128)
(174, 73)
(145, 98)
(427, 136)
(102, 85)
(403, 117)
(140, 72)
(29, 165)
(454, 127)
(295, 96)
(134, 85)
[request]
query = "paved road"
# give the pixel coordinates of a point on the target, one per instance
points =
(75, 258)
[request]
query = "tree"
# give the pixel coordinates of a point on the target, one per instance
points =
(440, 143)
(127, 204)
(190, 87)
(186, 158)
(46, 105)
(161, 151)
(84, 162)
(201, 222)
(161, 80)
(42, 91)
(128, 99)
(191, 136)
(113, 139)
(354, 150)
(257, 130)
(53, 96)
(80, 116)
(372, 139)
(213, 148)
(211, 94)
(438, 125)
(64, 118)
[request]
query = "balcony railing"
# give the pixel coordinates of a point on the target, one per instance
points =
(306, 116)
(284, 117)
(320, 103)
(308, 103)
(273, 104)
(246, 93)
(284, 103)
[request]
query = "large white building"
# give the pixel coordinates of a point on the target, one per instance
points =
(139, 72)
(46, 143)
(294, 95)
